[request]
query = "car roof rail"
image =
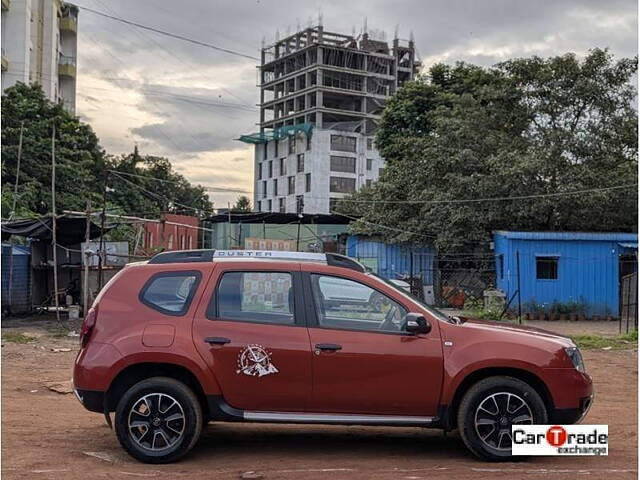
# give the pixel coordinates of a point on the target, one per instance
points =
(192, 256)
(183, 256)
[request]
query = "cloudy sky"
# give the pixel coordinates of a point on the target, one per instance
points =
(189, 103)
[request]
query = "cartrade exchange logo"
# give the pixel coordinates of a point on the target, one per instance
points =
(560, 439)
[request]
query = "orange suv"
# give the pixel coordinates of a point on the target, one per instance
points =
(254, 336)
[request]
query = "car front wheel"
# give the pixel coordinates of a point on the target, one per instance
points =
(158, 420)
(490, 408)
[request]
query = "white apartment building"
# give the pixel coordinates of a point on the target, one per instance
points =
(321, 98)
(39, 45)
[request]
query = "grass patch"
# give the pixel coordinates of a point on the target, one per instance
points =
(622, 342)
(15, 337)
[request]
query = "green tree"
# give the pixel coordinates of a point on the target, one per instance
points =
(137, 185)
(242, 205)
(79, 157)
(148, 185)
(525, 127)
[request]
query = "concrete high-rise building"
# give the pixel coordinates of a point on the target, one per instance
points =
(321, 98)
(39, 45)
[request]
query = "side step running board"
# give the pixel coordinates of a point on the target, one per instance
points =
(336, 419)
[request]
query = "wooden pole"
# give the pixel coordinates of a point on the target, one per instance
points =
(229, 217)
(87, 235)
(15, 188)
(54, 237)
(103, 217)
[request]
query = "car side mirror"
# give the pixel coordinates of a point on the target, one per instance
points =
(416, 323)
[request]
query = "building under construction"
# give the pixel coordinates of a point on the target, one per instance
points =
(321, 98)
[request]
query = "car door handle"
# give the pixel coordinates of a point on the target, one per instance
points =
(330, 347)
(217, 340)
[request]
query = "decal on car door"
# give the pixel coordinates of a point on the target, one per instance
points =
(255, 361)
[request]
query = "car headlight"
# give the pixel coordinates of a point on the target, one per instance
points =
(576, 358)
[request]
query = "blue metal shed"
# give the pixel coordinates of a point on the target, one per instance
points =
(16, 278)
(392, 261)
(577, 269)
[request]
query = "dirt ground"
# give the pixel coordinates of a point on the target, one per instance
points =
(48, 435)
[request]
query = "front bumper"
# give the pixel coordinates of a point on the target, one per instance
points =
(569, 416)
(92, 400)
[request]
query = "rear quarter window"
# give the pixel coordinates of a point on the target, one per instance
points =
(170, 293)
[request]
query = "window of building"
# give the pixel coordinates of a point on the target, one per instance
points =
(380, 172)
(300, 163)
(292, 144)
(170, 292)
(309, 141)
(275, 187)
(300, 204)
(283, 166)
(343, 143)
(547, 268)
(292, 185)
(269, 206)
(342, 164)
(259, 205)
(264, 189)
(281, 208)
(369, 163)
(259, 171)
(369, 143)
(369, 182)
(344, 304)
(333, 203)
(264, 150)
(275, 148)
(342, 185)
(307, 182)
(270, 168)
(259, 297)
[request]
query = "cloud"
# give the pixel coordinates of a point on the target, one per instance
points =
(189, 103)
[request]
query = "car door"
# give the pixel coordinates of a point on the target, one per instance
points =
(363, 362)
(252, 334)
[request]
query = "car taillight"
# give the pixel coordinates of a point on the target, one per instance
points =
(87, 325)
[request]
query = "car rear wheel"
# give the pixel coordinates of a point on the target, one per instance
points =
(158, 420)
(490, 408)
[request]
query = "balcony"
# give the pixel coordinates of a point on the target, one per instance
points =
(69, 19)
(69, 24)
(67, 66)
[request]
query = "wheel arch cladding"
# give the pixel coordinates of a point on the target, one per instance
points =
(137, 372)
(451, 411)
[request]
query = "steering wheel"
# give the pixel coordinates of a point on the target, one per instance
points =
(388, 323)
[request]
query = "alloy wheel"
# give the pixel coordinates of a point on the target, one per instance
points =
(496, 414)
(156, 421)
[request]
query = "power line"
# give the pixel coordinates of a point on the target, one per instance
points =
(496, 199)
(208, 188)
(381, 225)
(169, 34)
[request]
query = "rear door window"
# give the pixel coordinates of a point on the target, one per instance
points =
(260, 297)
(170, 292)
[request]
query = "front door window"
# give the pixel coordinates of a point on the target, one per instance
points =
(350, 305)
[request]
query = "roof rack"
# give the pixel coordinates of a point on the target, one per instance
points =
(192, 256)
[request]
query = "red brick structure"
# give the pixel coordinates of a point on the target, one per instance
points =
(173, 232)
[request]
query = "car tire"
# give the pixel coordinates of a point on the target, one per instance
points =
(497, 402)
(158, 420)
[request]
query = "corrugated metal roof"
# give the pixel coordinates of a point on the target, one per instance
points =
(597, 236)
(629, 245)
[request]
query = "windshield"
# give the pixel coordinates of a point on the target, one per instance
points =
(407, 294)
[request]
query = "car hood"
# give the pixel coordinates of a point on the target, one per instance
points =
(510, 328)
